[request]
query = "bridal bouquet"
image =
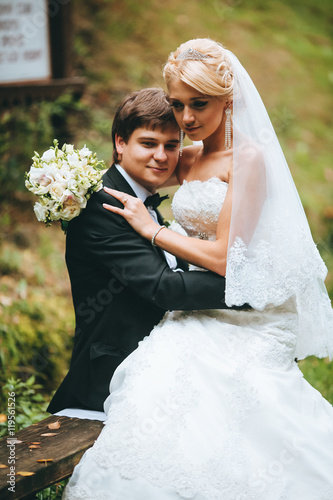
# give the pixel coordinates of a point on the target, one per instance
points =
(64, 180)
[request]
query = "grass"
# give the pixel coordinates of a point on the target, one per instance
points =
(36, 315)
(319, 373)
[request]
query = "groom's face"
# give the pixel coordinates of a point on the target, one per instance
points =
(149, 156)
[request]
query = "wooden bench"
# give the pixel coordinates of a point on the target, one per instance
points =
(51, 461)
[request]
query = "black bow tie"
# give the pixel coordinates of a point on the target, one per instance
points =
(155, 200)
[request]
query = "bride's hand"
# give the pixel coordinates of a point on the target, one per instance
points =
(134, 212)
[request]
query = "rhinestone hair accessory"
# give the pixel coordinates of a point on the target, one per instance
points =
(191, 54)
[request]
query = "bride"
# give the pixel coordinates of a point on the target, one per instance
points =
(212, 406)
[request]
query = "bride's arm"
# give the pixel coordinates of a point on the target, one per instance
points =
(211, 255)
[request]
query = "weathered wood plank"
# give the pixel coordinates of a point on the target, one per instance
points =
(65, 448)
(28, 92)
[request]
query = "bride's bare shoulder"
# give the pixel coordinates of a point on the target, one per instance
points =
(249, 155)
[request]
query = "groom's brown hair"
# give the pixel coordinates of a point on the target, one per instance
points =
(148, 108)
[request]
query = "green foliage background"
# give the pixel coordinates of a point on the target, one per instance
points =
(286, 45)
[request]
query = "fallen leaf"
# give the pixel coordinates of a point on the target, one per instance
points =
(45, 460)
(54, 425)
(3, 418)
(49, 434)
(33, 446)
(3, 466)
(25, 473)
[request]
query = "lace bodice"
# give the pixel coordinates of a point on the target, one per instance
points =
(197, 204)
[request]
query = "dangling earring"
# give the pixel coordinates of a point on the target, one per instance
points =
(227, 140)
(181, 143)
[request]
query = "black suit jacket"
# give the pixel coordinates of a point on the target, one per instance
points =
(121, 287)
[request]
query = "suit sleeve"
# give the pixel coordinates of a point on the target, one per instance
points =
(112, 243)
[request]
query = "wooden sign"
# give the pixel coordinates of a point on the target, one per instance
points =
(36, 56)
(24, 41)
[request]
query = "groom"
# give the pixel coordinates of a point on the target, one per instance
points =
(121, 284)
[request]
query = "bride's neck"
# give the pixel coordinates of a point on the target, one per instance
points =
(215, 143)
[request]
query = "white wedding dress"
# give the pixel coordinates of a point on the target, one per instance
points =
(211, 405)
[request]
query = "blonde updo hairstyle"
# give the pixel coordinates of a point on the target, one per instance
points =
(211, 76)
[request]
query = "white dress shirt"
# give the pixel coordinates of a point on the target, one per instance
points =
(143, 193)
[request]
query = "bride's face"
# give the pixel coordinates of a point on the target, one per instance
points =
(199, 115)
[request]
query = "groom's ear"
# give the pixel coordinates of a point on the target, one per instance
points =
(119, 142)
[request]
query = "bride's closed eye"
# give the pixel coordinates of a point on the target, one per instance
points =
(199, 104)
(178, 106)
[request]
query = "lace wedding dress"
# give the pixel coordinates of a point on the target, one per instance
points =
(211, 406)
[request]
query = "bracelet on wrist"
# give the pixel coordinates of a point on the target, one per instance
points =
(155, 234)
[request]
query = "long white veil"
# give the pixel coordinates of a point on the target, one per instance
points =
(271, 254)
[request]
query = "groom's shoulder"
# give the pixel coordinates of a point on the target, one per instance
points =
(94, 214)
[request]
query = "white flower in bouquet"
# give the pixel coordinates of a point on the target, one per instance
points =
(69, 148)
(41, 210)
(49, 155)
(57, 189)
(64, 180)
(84, 151)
